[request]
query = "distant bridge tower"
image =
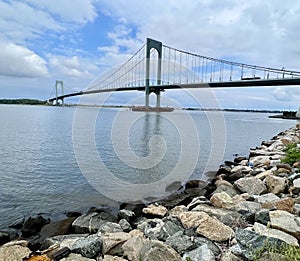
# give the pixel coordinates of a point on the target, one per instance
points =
(57, 85)
(158, 47)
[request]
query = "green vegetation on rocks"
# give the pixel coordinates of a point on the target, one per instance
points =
(292, 153)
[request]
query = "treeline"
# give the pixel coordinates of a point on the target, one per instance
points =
(22, 101)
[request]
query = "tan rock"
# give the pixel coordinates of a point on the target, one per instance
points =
(221, 200)
(13, 252)
(132, 247)
(111, 240)
(276, 184)
(275, 233)
(214, 230)
(152, 209)
(286, 222)
(264, 174)
(174, 212)
(154, 250)
(286, 204)
(206, 225)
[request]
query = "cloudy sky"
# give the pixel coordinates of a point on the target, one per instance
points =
(76, 40)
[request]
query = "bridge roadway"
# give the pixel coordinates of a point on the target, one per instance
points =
(240, 83)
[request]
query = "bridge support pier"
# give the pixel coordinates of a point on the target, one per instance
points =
(157, 99)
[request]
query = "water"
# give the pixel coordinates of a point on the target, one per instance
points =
(39, 169)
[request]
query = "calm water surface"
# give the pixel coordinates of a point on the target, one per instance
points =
(38, 168)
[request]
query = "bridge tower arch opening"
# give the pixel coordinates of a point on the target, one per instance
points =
(153, 44)
(59, 84)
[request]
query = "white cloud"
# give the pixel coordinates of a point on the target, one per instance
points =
(74, 67)
(259, 32)
(78, 11)
(18, 61)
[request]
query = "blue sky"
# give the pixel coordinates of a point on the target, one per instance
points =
(77, 40)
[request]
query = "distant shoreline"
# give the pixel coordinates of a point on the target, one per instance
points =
(40, 102)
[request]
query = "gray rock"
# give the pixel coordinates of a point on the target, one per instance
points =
(180, 242)
(88, 247)
(247, 209)
(33, 225)
(266, 198)
(228, 217)
(151, 228)
(4, 237)
(168, 229)
(250, 242)
(251, 185)
(110, 227)
(125, 225)
(262, 216)
(63, 240)
(230, 190)
(155, 250)
(211, 245)
(275, 233)
(127, 214)
(90, 222)
(201, 253)
(175, 200)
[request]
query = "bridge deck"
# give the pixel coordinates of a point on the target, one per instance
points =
(240, 83)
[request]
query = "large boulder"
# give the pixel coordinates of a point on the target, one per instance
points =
(276, 185)
(33, 225)
(14, 251)
(275, 233)
(207, 226)
(89, 247)
(155, 250)
(250, 185)
(226, 216)
(286, 222)
(90, 222)
(61, 227)
(112, 243)
(250, 243)
(222, 200)
(132, 247)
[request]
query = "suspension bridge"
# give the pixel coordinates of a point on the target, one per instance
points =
(155, 68)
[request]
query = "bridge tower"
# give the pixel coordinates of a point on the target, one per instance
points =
(158, 47)
(57, 85)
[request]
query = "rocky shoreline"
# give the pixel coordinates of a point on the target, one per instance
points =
(249, 211)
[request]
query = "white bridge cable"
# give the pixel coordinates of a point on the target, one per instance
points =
(224, 67)
(112, 77)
